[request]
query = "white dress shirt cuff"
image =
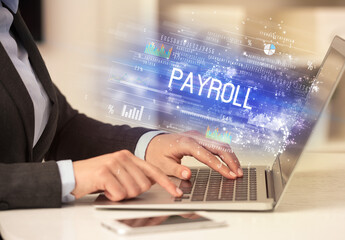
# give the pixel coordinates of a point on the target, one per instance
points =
(144, 140)
(67, 180)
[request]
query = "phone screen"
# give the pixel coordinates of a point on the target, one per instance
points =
(163, 220)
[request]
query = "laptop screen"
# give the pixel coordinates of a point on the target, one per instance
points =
(330, 73)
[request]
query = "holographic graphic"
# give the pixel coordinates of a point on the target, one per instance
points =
(216, 135)
(159, 52)
(252, 78)
(269, 49)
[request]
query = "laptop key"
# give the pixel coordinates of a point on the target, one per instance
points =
(179, 199)
(198, 198)
(209, 185)
(226, 198)
(212, 197)
(186, 186)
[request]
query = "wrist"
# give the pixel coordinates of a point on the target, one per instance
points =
(66, 171)
(144, 141)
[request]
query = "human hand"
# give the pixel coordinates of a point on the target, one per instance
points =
(121, 175)
(166, 151)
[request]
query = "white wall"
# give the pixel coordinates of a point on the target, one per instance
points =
(76, 35)
(69, 29)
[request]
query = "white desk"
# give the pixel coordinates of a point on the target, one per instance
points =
(313, 208)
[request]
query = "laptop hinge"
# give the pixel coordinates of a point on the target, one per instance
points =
(269, 184)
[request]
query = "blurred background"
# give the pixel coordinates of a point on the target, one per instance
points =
(73, 37)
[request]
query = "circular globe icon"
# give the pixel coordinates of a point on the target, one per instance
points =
(269, 49)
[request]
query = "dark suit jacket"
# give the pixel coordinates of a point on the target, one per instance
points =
(26, 182)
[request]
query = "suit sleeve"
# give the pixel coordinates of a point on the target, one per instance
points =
(37, 184)
(32, 185)
(80, 137)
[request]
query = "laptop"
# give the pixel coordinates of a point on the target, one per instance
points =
(262, 187)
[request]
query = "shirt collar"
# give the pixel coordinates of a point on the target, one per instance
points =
(11, 4)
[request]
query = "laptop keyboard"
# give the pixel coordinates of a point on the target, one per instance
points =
(209, 185)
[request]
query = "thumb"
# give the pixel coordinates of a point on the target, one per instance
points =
(172, 168)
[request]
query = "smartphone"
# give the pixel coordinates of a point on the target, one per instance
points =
(191, 220)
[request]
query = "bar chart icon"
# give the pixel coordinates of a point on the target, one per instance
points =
(132, 112)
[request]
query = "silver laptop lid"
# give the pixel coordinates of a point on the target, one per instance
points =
(330, 73)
